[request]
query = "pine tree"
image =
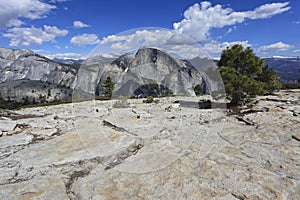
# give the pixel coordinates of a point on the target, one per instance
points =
(2, 102)
(198, 90)
(242, 73)
(270, 80)
(107, 87)
(243, 61)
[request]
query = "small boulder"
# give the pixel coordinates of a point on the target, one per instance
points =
(295, 110)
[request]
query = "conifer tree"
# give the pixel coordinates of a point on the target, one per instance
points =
(244, 75)
(270, 80)
(107, 87)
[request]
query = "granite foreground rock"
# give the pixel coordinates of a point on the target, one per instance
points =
(94, 150)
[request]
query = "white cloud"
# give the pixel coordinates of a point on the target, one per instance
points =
(230, 30)
(279, 46)
(79, 24)
(159, 38)
(268, 10)
(66, 56)
(200, 19)
(138, 38)
(85, 39)
(193, 29)
(170, 40)
(11, 11)
(114, 38)
(33, 35)
(215, 47)
(147, 37)
(38, 50)
(296, 22)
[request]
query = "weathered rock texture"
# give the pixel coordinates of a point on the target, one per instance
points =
(29, 78)
(26, 74)
(97, 150)
(134, 74)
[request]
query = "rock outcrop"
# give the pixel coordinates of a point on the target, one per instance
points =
(25, 76)
(134, 75)
(29, 78)
(97, 150)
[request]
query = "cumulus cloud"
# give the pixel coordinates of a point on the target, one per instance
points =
(159, 38)
(33, 35)
(65, 56)
(199, 19)
(192, 30)
(279, 46)
(38, 50)
(85, 39)
(215, 47)
(170, 40)
(268, 10)
(138, 38)
(79, 24)
(148, 37)
(12, 11)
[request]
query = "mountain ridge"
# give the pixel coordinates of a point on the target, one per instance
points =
(29, 77)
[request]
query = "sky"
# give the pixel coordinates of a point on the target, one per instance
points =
(75, 28)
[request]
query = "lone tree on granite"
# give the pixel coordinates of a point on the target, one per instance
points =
(270, 80)
(198, 90)
(107, 87)
(2, 102)
(244, 75)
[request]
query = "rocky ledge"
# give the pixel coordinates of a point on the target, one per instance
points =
(122, 149)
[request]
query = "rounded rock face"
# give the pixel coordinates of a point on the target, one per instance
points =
(134, 75)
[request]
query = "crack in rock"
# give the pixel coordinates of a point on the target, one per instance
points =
(72, 171)
(246, 121)
(113, 126)
(121, 156)
(8, 151)
(116, 128)
(74, 177)
(296, 138)
(239, 196)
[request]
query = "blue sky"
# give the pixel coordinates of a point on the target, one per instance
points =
(72, 28)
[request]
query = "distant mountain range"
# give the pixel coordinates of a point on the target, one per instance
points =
(287, 68)
(29, 77)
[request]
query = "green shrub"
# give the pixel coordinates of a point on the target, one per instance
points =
(123, 103)
(149, 99)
